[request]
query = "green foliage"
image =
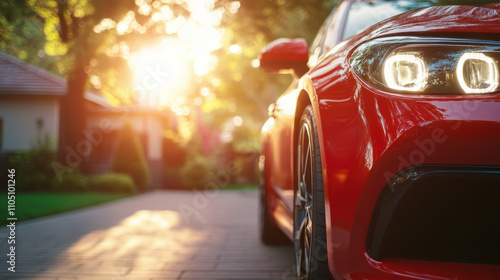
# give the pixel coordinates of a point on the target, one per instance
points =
(35, 166)
(71, 182)
(129, 157)
(112, 182)
(246, 139)
(196, 173)
(21, 34)
(36, 181)
(241, 187)
(283, 18)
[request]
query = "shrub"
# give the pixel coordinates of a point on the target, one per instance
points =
(195, 173)
(35, 165)
(129, 157)
(71, 182)
(112, 182)
(35, 181)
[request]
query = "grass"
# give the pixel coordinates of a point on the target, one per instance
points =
(240, 187)
(34, 205)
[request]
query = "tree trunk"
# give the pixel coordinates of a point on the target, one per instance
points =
(73, 149)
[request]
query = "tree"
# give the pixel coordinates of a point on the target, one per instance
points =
(129, 157)
(94, 35)
(272, 19)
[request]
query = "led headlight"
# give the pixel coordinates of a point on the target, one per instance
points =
(405, 71)
(477, 73)
(429, 65)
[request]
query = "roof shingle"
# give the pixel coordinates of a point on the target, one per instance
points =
(19, 77)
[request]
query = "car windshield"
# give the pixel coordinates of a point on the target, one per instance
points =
(363, 14)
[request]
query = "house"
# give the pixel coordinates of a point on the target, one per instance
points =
(30, 100)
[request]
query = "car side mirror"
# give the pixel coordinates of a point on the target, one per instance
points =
(285, 56)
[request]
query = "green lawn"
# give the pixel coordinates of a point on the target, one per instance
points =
(240, 187)
(34, 205)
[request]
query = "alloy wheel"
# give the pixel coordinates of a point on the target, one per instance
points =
(303, 223)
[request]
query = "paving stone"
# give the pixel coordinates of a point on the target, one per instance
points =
(226, 275)
(256, 265)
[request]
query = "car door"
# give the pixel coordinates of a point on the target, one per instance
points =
(281, 141)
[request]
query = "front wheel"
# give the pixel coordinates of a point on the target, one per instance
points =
(311, 255)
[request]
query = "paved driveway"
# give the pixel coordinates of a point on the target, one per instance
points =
(158, 235)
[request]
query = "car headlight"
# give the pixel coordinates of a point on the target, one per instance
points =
(429, 65)
(477, 73)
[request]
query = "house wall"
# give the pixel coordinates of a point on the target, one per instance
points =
(20, 115)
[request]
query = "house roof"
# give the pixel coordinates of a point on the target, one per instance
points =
(20, 78)
(17, 76)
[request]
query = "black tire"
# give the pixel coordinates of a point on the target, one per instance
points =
(311, 256)
(270, 234)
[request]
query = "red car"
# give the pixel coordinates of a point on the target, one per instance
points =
(382, 159)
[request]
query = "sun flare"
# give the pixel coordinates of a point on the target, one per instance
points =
(164, 71)
(161, 72)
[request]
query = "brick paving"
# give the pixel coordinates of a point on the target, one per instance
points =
(157, 235)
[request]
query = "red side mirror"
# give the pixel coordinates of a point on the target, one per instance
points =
(285, 56)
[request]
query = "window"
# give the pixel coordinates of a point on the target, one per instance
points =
(39, 124)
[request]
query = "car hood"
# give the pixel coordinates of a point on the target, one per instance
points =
(438, 20)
